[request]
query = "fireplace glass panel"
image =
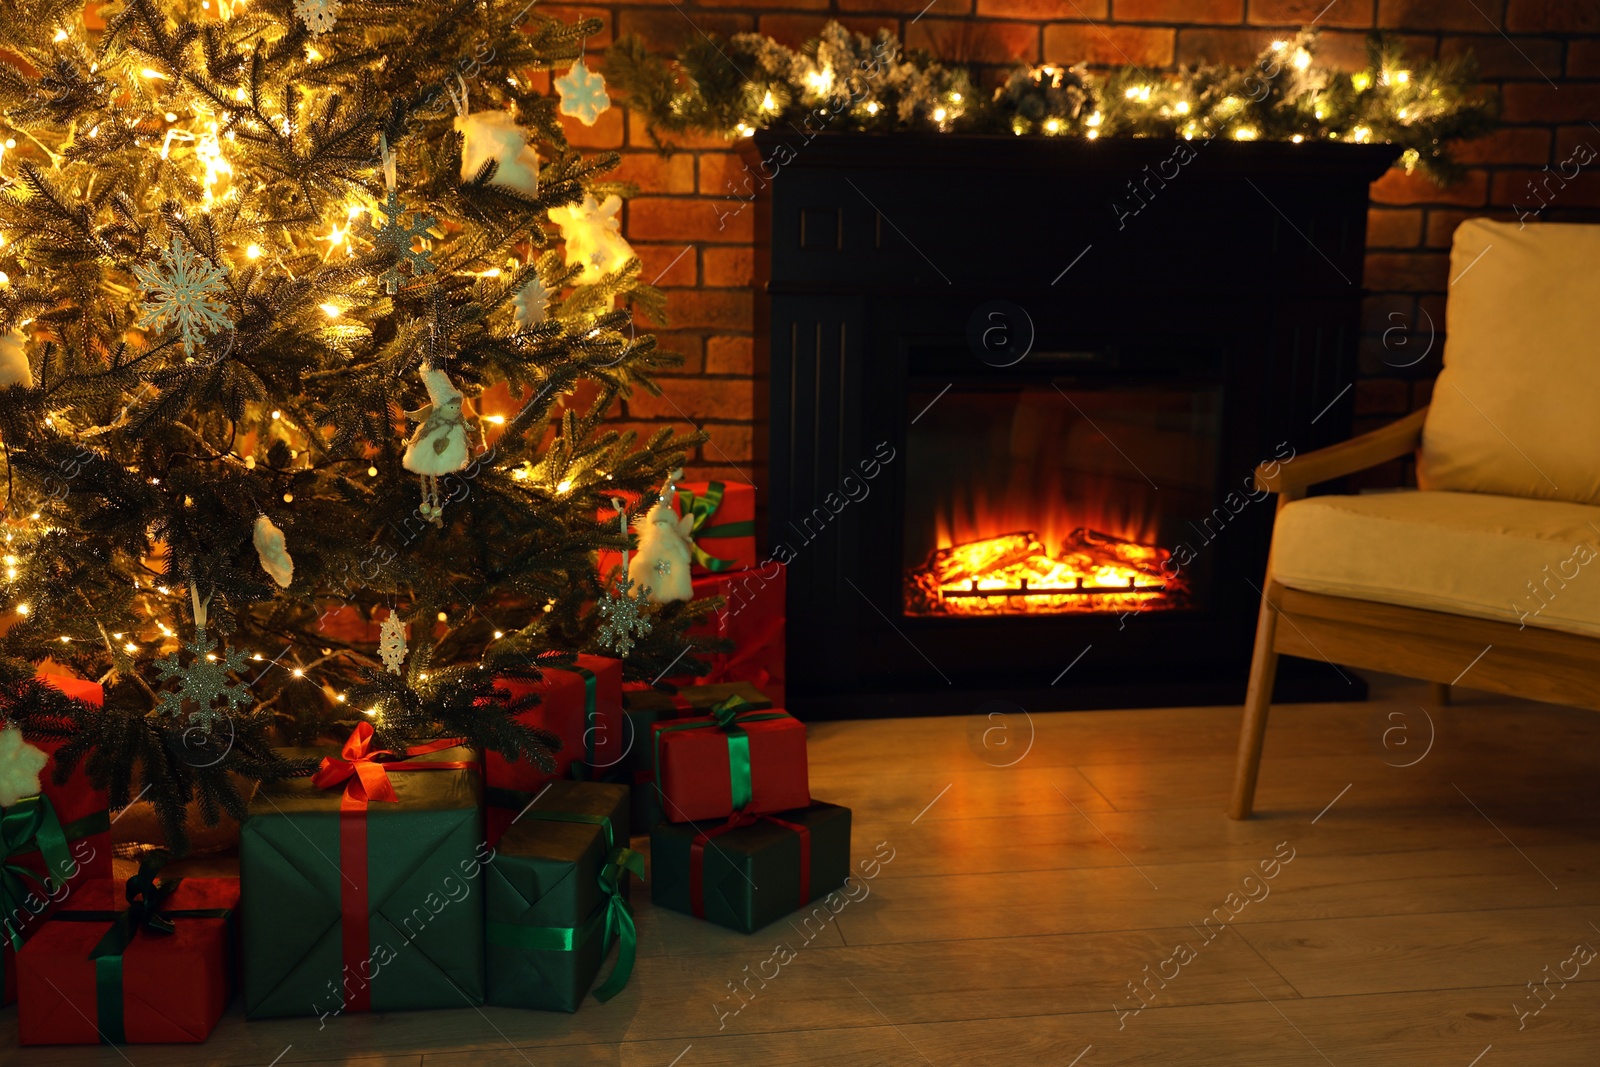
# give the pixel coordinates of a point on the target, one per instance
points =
(1046, 499)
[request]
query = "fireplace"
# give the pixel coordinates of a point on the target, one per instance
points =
(1015, 389)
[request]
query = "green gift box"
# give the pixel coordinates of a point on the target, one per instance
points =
(359, 886)
(750, 870)
(642, 709)
(555, 895)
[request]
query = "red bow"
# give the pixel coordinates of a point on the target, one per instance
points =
(364, 766)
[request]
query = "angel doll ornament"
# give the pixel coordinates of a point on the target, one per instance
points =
(593, 235)
(439, 445)
(495, 135)
(661, 565)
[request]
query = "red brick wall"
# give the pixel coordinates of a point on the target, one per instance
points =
(1543, 55)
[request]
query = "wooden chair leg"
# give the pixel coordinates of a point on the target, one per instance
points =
(1257, 702)
(1441, 694)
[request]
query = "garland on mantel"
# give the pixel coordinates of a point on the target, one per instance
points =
(846, 81)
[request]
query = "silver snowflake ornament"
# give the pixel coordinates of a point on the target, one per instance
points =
(318, 15)
(203, 683)
(663, 567)
(185, 289)
(583, 94)
(392, 642)
(623, 612)
(398, 238)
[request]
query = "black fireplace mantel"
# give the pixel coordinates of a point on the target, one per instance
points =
(1244, 256)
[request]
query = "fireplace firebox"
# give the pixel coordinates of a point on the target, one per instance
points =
(1014, 390)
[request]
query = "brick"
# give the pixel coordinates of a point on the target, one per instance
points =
(1044, 10)
(729, 443)
(1538, 102)
(1108, 45)
(722, 310)
(1398, 187)
(689, 219)
(605, 133)
(1297, 13)
(1574, 144)
(1552, 16)
(595, 41)
(1179, 11)
(1382, 396)
(1501, 57)
(706, 472)
(730, 355)
(1407, 271)
(966, 42)
(729, 266)
(1442, 223)
(1235, 47)
(1434, 15)
(653, 172)
(940, 7)
(1538, 190)
(1343, 50)
(1393, 228)
(723, 174)
(670, 30)
(668, 264)
(1583, 59)
(1381, 312)
(695, 398)
(1512, 144)
(639, 137)
(691, 346)
(795, 30)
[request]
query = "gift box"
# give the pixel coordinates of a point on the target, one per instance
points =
(582, 706)
(733, 760)
(159, 971)
(641, 710)
(753, 619)
(723, 535)
(751, 870)
(359, 883)
(65, 828)
(556, 899)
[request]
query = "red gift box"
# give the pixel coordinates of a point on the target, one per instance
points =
(583, 707)
(730, 761)
(89, 976)
(81, 811)
(724, 526)
(753, 619)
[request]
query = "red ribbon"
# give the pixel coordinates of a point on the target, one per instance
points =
(365, 770)
(697, 858)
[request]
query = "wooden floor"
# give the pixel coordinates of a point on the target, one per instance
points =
(1025, 902)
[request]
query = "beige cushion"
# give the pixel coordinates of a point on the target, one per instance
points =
(1516, 410)
(1528, 562)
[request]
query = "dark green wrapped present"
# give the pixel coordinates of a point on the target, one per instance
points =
(556, 899)
(751, 870)
(360, 884)
(642, 709)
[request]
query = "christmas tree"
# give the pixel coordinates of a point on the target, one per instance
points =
(289, 351)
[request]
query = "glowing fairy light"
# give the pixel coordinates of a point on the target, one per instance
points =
(872, 107)
(253, 251)
(820, 80)
(61, 35)
(1302, 59)
(768, 103)
(1052, 126)
(1361, 81)
(564, 486)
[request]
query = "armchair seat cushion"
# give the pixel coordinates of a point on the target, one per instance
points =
(1516, 560)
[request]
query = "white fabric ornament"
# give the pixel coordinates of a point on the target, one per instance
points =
(14, 369)
(439, 445)
(661, 566)
(495, 135)
(583, 94)
(20, 765)
(531, 304)
(593, 235)
(392, 642)
(268, 539)
(318, 15)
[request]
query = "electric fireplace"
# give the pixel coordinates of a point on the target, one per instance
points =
(1010, 422)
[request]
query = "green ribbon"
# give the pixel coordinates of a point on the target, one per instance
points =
(30, 825)
(144, 912)
(613, 916)
(703, 508)
(591, 690)
(727, 717)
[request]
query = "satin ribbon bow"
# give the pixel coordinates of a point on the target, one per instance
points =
(619, 918)
(29, 825)
(726, 712)
(360, 763)
(703, 508)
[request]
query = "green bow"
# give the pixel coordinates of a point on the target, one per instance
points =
(619, 918)
(30, 825)
(703, 508)
(726, 717)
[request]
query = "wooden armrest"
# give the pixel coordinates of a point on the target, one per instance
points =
(1293, 476)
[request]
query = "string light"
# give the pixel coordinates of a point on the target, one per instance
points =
(872, 107)
(254, 251)
(61, 35)
(564, 486)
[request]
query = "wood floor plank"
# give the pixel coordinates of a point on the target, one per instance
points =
(959, 793)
